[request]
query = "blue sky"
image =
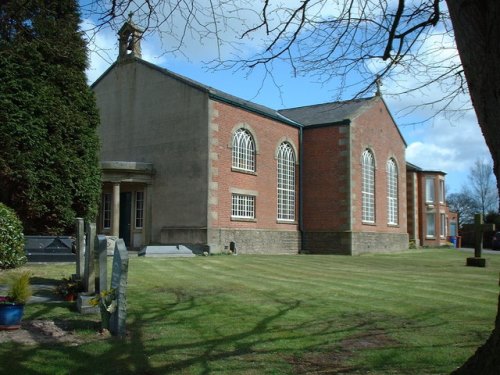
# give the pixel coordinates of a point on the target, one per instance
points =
(448, 144)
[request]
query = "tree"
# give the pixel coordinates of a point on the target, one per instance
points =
(365, 39)
(482, 187)
(48, 148)
(463, 204)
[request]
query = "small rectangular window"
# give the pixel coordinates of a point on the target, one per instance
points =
(429, 190)
(443, 228)
(431, 225)
(139, 209)
(106, 210)
(243, 206)
(441, 191)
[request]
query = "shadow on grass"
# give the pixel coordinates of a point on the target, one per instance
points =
(267, 342)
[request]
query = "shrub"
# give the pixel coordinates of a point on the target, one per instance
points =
(20, 288)
(11, 239)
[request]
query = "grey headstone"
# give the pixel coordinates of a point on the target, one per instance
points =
(102, 263)
(119, 284)
(111, 242)
(89, 274)
(80, 247)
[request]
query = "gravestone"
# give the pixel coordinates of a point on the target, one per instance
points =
(49, 248)
(479, 228)
(89, 274)
(102, 263)
(119, 284)
(80, 248)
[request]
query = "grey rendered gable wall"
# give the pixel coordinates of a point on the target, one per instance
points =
(147, 116)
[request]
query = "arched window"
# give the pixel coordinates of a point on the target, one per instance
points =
(243, 151)
(286, 182)
(392, 192)
(368, 187)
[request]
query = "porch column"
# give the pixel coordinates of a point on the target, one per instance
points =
(115, 225)
(147, 216)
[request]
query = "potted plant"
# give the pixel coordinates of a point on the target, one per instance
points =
(68, 288)
(12, 305)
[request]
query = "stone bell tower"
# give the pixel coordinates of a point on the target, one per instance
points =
(129, 39)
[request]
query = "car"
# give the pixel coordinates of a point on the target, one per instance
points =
(495, 241)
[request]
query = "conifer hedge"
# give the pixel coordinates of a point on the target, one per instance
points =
(49, 169)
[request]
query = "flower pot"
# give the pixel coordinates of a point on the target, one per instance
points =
(11, 315)
(69, 297)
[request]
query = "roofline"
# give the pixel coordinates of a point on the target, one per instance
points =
(212, 93)
(278, 117)
(392, 118)
(328, 124)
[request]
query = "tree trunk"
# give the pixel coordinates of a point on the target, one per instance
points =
(476, 24)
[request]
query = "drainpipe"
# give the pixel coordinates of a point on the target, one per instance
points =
(301, 168)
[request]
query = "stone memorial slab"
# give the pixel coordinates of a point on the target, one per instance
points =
(102, 263)
(49, 248)
(80, 248)
(166, 251)
(119, 284)
(111, 242)
(89, 273)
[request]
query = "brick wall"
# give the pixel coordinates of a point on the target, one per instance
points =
(375, 130)
(326, 179)
(332, 185)
(268, 134)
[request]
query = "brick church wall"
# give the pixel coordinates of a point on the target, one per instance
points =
(264, 234)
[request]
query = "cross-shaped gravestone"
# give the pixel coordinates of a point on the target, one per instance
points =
(479, 228)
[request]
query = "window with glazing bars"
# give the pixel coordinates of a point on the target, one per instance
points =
(368, 187)
(392, 192)
(243, 206)
(139, 209)
(106, 210)
(243, 153)
(286, 182)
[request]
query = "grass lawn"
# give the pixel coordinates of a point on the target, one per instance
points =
(417, 312)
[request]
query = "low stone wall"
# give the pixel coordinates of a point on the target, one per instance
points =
(353, 243)
(379, 242)
(255, 241)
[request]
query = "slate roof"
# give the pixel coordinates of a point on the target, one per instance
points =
(327, 113)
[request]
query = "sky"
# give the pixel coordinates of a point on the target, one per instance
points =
(444, 143)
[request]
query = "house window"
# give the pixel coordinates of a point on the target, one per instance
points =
(368, 187)
(441, 191)
(243, 206)
(243, 151)
(286, 182)
(429, 190)
(392, 192)
(442, 231)
(431, 225)
(106, 210)
(139, 209)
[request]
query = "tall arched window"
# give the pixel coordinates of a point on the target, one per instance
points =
(286, 182)
(392, 192)
(243, 151)
(368, 187)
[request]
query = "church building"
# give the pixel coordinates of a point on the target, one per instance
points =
(187, 164)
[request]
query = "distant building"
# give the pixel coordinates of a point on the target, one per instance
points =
(430, 222)
(187, 164)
